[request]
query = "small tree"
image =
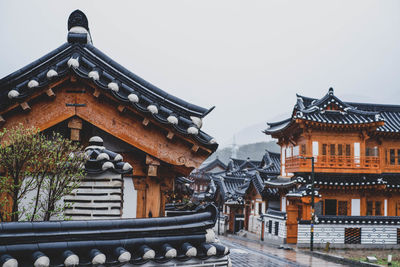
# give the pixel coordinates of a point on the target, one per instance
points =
(64, 172)
(30, 161)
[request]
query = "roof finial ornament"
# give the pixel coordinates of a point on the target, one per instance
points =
(330, 91)
(78, 25)
(78, 19)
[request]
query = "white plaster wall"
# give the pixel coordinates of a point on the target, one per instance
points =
(281, 227)
(129, 198)
(254, 224)
(334, 233)
(27, 204)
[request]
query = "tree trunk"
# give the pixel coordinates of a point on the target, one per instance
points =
(14, 212)
(36, 202)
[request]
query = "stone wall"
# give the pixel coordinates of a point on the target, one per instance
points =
(379, 233)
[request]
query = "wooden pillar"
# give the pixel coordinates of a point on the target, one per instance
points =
(140, 186)
(363, 205)
(153, 197)
(75, 124)
(153, 189)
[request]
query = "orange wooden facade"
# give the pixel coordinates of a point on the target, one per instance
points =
(159, 156)
(339, 149)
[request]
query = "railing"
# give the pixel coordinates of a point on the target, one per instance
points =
(298, 164)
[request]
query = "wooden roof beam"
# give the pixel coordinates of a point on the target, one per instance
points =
(25, 106)
(50, 93)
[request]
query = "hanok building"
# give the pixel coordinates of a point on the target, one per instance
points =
(356, 151)
(242, 190)
(201, 175)
(80, 92)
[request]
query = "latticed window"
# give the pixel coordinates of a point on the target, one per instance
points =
(374, 208)
(370, 208)
(352, 235)
(348, 150)
(340, 149)
(372, 151)
(324, 149)
(392, 156)
(276, 228)
(303, 149)
(342, 208)
(332, 152)
(378, 208)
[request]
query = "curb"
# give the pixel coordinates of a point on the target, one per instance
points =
(339, 259)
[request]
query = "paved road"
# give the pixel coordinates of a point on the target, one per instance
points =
(253, 254)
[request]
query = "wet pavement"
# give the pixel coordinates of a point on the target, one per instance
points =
(246, 253)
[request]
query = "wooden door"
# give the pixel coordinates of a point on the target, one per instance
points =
(398, 208)
(291, 223)
(246, 218)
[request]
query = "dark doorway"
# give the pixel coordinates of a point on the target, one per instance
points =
(330, 206)
(239, 222)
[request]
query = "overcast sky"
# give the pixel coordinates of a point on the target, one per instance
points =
(247, 58)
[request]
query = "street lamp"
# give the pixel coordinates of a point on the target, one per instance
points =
(312, 203)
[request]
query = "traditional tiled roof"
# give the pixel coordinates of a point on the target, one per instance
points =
(277, 214)
(182, 240)
(235, 181)
(209, 166)
(269, 186)
(340, 219)
(302, 191)
(232, 188)
(79, 57)
(331, 110)
(343, 179)
(392, 180)
(208, 195)
(207, 169)
(100, 160)
(241, 164)
(270, 164)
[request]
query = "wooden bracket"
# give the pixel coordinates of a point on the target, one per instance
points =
(152, 170)
(121, 108)
(170, 135)
(152, 161)
(75, 135)
(25, 106)
(75, 124)
(195, 148)
(73, 78)
(2, 120)
(146, 121)
(50, 93)
(96, 93)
